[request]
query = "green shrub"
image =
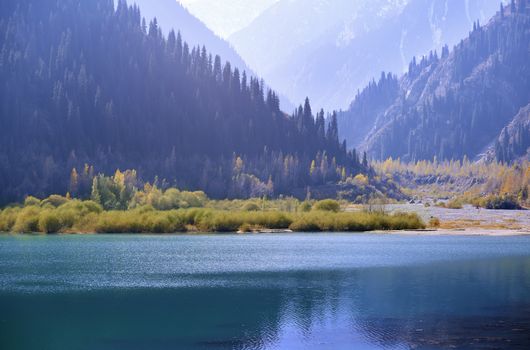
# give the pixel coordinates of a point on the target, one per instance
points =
(194, 199)
(271, 220)
(226, 222)
(8, 218)
(68, 216)
(88, 216)
(27, 220)
(245, 228)
(92, 207)
(405, 221)
(160, 224)
(30, 200)
(355, 222)
(85, 223)
(49, 222)
(327, 205)
(305, 207)
(118, 222)
(251, 207)
(305, 224)
(506, 202)
(55, 200)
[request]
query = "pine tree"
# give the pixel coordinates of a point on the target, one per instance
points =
(73, 188)
(95, 196)
(333, 129)
(365, 160)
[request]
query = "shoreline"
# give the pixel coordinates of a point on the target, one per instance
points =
(421, 232)
(464, 232)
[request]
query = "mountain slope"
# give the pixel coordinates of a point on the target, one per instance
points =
(83, 83)
(172, 15)
(456, 105)
(328, 49)
(514, 140)
(367, 109)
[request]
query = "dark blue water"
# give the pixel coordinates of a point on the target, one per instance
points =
(312, 291)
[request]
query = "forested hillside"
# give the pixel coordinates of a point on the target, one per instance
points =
(368, 109)
(514, 141)
(451, 105)
(84, 83)
(171, 15)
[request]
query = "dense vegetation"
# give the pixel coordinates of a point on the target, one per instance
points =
(84, 83)
(170, 13)
(172, 211)
(491, 185)
(451, 105)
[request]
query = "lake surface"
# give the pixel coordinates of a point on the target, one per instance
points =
(299, 291)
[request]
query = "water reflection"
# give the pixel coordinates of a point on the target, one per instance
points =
(480, 303)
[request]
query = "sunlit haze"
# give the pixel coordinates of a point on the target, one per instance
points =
(225, 17)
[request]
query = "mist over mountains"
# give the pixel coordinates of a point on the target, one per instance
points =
(328, 49)
(227, 16)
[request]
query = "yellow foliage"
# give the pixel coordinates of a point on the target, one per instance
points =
(361, 179)
(493, 177)
(119, 178)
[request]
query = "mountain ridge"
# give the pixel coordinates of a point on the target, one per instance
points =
(171, 15)
(336, 49)
(453, 106)
(513, 142)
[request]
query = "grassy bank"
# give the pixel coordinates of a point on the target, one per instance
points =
(75, 216)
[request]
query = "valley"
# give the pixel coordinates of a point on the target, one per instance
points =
(264, 174)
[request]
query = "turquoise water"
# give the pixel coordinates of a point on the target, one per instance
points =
(303, 291)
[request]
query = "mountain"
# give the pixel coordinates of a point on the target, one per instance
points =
(173, 16)
(228, 16)
(514, 140)
(453, 106)
(84, 83)
(328, 49)
(367, 110)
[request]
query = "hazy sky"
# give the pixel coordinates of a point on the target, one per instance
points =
(226, 17)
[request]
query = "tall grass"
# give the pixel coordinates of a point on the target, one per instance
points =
(355, 222)
(61, 215)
